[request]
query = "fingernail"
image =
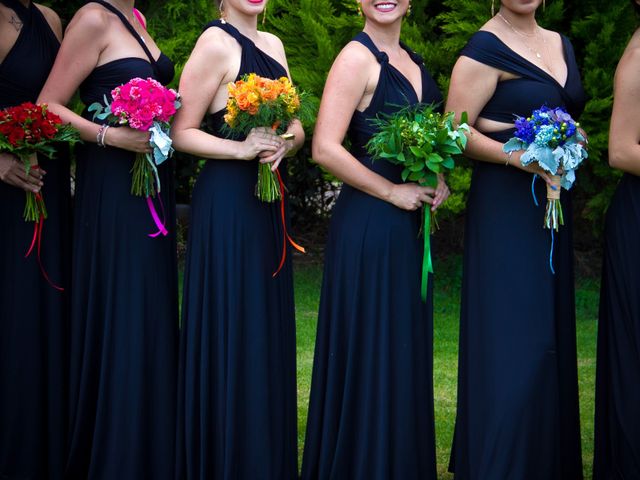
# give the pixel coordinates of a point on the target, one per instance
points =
(553, 187)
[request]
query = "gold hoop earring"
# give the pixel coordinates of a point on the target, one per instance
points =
(359, 9)
(409, 10)
(493, 8)
(221, 10)
(264, 16)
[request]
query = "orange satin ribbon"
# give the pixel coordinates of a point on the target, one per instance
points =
(286, 237)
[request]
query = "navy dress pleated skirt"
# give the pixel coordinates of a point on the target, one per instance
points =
(237, 417)
(371, 407)
(124, 306)
(33, 314)
(617, 427)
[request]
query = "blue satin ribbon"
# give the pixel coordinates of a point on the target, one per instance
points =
(535, 201)
(551, 253)
(533, 189)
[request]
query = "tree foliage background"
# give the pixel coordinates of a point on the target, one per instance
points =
(314, 31)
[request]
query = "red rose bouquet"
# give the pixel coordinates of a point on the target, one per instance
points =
(28, 129)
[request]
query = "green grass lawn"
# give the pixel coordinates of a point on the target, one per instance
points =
(308, 278)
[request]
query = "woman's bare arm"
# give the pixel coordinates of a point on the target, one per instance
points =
(624, 133)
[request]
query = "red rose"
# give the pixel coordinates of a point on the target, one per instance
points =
(16, 135)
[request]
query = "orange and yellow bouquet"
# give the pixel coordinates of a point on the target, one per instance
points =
(255, 101)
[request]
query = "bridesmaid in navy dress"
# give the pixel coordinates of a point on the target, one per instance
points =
(124, 303)
(371, 407)
(237, 380)
(617, 426)
(518, 415)
(33, 314)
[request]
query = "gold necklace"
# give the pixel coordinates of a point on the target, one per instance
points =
(525, 35)
(535, 52)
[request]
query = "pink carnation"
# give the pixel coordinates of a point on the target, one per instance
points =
(139, 103)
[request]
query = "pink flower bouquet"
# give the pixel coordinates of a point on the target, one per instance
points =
(148, 106)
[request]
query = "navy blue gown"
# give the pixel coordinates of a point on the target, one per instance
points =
(124, 306)
(517, 415)
(33, 315)
(617, 426)
(237, 382)
(371, 406)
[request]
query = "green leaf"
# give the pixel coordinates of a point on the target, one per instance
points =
(452, 149)
(416, 167)
(416, 176)
(442, 136)
(448, 163)
(434, 167)
(418, 152)
(434, 158)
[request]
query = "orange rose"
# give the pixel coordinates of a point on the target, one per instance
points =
(243, 102)
(271, 93)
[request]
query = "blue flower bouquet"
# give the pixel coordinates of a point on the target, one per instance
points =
(551, 138)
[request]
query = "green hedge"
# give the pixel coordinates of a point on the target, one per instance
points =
(314, 31)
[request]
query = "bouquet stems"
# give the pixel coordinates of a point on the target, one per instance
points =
(267, 188)
(144, 176)
(553, 216)
(34, 209)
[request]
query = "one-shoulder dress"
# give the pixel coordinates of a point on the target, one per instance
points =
(124, 321)
(371, 407)
(33, 314)
(617, 425)
(517, 415)
(237, 417)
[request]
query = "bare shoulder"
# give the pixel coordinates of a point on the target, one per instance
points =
(91, 18)
(552, 34)
(470, 67)
(490, 26)
(630, 60)
(272, 40)
(275, 47)
(52, 19)
(355, 56)
(215, 43)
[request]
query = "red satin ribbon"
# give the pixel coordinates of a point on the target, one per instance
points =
(37, 241)
(286, 237)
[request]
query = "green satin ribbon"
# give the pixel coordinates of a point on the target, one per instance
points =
(427, 265)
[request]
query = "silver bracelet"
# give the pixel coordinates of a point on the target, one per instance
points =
(99, 135)
(509, 158)
(102, 133)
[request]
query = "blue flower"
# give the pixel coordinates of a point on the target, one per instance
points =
(545, 136)
(525, 130)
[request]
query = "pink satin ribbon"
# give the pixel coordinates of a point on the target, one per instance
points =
(162, 230)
